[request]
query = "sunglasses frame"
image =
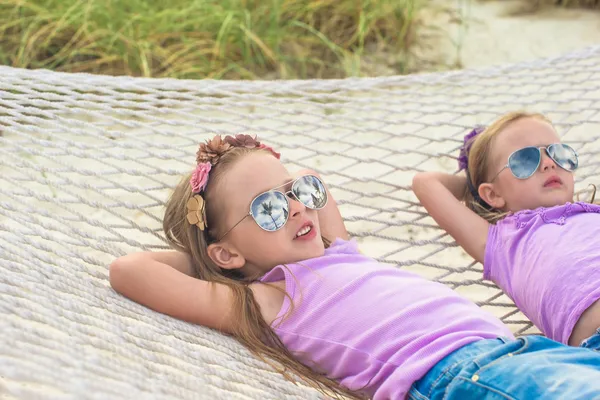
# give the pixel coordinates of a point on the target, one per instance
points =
(539, 149)
(287, 199)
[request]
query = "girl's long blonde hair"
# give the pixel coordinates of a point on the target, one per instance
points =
(249, 328)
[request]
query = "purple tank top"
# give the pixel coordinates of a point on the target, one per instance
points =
(548, 262)
(370, 326)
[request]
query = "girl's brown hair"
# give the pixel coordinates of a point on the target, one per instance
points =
(479, 163)
(249, 328)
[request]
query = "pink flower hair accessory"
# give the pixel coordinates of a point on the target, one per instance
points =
(199, 177)
(269, 148)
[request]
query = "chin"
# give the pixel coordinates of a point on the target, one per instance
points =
(316, 250)
(556, 201)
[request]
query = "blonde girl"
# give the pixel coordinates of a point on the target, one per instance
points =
(522, 223)
(264, 256)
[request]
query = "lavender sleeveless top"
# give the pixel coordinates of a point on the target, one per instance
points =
(547, 261)
(370, 326)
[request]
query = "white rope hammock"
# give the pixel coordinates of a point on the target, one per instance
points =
(87, 162)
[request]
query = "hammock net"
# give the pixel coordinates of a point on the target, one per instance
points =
(87, 162)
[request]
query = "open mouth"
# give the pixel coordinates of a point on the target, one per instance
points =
(304, 231)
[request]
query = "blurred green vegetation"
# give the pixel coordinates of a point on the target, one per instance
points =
(198, 39)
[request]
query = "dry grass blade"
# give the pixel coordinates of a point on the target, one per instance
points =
(203, 39)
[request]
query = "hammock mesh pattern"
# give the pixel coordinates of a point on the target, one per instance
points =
(87, 162)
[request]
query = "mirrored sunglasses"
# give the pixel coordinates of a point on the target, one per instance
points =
(524, 162)
(271, 209)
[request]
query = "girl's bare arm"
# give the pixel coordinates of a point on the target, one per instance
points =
(163, 282)
(441, 195)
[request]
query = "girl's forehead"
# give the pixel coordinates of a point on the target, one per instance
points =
(523, 133)
(254, 174)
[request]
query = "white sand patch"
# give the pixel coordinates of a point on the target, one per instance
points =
(501, 32)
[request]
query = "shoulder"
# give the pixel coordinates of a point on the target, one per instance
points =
(530, 229)
(341, 246)
(270, 298)
(338, 247)
(557, 215)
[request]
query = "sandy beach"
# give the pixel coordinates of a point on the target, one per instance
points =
(475, 34)
(86, 163)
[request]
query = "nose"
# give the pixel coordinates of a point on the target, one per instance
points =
(546, 163)
(296, 208)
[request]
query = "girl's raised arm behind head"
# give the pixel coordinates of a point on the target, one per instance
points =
(441, 195)
(169, 290)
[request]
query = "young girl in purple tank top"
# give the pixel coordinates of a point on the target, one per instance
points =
(538, 245)
(264, 256)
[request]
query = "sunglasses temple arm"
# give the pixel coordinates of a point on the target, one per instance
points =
(239, 222)
(495, 176)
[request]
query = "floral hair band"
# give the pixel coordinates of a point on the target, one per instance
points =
(469, 139)
(209, 154)
(463, 162)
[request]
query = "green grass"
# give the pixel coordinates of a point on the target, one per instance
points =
(205, 39)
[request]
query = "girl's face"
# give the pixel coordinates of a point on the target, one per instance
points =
(262, 250)
(550, 185)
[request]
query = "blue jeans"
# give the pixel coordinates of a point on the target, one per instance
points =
(593, 342)
(529, 368)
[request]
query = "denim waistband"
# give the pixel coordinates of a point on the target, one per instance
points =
(528, 368)
(441, 373)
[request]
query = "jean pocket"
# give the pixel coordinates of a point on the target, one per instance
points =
(414, 394)
(467, 389)
(508, 349)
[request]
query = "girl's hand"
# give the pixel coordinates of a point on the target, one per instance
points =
(330, 220)
(441, 195)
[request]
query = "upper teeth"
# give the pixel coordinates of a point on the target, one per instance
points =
(303, 231)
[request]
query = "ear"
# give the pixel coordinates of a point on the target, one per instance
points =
(226, 256)
(488, 194)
